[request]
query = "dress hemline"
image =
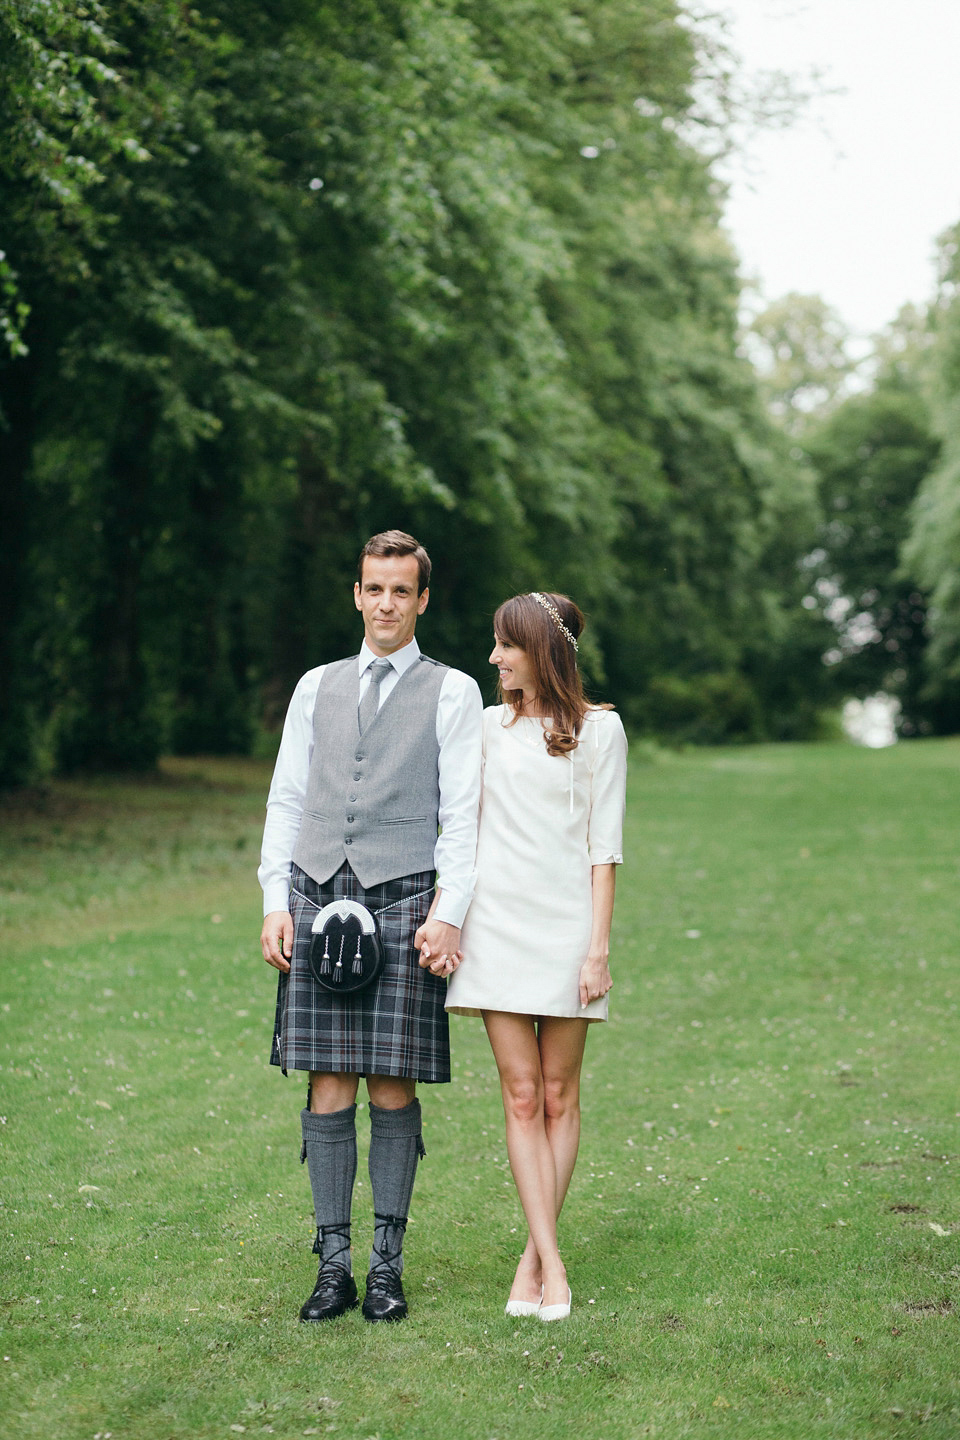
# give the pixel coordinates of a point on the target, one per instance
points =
(471, 1013)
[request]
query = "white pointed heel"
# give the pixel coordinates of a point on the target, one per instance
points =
(556, 1312)
(524, 1307)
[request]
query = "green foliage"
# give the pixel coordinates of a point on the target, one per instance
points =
(871, 456)
(54, 69)
(320, 270)
(932, 548)
(800, 346)
(705, 710)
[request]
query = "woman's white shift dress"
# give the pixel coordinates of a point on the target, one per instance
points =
(545, 820)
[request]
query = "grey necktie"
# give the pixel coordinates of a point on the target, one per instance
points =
(371, 700)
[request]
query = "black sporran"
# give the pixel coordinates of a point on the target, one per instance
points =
(346, 952)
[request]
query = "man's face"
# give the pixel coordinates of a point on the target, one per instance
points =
(388, 601)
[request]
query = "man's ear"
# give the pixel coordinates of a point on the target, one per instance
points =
(356, 595)
(422, 599)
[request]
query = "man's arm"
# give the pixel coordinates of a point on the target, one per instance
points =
(459, 732)
(288, 790)
(276, 939)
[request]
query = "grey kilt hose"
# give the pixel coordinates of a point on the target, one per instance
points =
(397, 1026)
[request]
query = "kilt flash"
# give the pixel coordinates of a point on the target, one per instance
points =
(398, 1026)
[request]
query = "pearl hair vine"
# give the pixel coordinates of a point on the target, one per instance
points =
(554, 614)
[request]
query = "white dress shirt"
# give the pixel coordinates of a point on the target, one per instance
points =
(459, 731)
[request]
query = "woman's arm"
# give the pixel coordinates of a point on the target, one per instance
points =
(443, 963)
(595, 971)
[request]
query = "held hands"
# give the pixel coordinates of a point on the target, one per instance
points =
(437, 942)
(595, 978)
(439, 946)
(276, 939)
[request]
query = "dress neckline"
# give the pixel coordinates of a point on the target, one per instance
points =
(508, 720)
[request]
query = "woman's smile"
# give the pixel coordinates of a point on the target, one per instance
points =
(517, 673)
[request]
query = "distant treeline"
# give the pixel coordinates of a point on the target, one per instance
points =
(881, 437)
(274, 277)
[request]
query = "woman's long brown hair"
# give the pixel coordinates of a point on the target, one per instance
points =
(522, 621)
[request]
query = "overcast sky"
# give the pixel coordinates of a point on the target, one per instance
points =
(849, 202)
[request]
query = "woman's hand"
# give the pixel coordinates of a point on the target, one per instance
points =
(439, 946)
(595, 979)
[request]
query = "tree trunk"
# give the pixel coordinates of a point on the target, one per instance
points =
(18, 384)
(118, 727)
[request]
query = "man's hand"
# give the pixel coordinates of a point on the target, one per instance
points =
(276, 939)
(439, 946)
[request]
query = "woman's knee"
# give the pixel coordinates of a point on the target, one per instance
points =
(523, 1098)
(561, 1096)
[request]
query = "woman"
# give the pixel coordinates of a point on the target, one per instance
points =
(536, 940)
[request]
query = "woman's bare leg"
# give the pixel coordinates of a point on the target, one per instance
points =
(514, 1042)
(561, 1059)
(561, 1045)
(524, 1084)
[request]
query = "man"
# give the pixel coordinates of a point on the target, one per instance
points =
(378, 750)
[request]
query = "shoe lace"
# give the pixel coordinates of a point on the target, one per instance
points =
(387, 1247)
(332, 1260)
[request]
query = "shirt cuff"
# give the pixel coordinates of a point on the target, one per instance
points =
(451, 908)
(276, 896)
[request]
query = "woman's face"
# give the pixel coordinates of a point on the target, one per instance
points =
(513, 666)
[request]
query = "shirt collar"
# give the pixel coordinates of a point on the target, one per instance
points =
(401, 660)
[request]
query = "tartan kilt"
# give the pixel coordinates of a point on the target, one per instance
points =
(397, 1026)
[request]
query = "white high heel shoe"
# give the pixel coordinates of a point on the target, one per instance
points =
(524, 1307)
(556, 1312)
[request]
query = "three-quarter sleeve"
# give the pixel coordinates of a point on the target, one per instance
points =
(608, 783)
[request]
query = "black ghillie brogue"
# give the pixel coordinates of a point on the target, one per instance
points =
(336, 1290)
(385, 1299)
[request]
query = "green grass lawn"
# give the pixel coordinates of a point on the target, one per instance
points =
(763, 1234)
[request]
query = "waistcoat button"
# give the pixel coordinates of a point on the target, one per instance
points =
(358, 758)
(348, 841)
(357, 776)
(349, 819)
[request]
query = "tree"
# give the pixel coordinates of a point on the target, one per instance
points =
(871, 456)
(63, 121)
(932, 548)
(869, 452)
(450, 266)
(800, 347)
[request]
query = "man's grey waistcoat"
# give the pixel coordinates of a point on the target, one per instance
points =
(373, 799)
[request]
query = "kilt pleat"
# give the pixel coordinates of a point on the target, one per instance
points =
(397, 1026)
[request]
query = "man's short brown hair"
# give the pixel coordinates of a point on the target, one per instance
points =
(397, 542)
